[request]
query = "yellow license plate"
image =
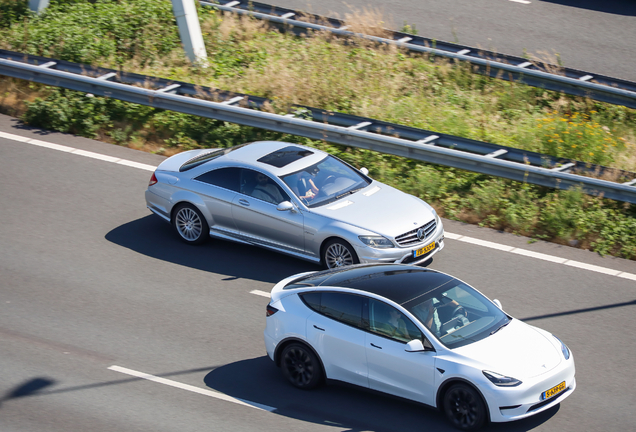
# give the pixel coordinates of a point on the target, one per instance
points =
(425, 249)
(554, 390)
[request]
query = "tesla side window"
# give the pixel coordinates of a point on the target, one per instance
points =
(343, 307)
(386, 320)
(227, 178)
(262, 187)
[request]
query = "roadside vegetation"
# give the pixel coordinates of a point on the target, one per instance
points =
(353, 77)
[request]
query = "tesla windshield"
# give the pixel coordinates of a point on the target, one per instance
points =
(325, 182)
(457, 314)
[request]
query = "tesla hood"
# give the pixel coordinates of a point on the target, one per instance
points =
(517, 350)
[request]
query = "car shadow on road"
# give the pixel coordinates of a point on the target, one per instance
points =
(618, 7)
(346, 407)
(153, 237)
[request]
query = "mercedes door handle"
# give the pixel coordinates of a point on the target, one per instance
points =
(375, 346)
(244, 202)
(316, 327)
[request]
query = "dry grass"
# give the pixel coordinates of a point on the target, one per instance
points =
(13, 95)
(368, 21)
(548, 62)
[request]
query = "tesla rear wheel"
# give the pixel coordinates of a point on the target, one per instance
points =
(338, 253)
(301, 367)
(464, 407)
(190, 224)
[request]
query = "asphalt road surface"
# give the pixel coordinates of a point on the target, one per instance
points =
(95, 292)
(590, 35)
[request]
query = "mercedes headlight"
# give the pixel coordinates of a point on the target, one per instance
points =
(501, 380)
(377, 242)
(564, 349)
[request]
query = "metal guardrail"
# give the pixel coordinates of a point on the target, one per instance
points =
(333, 127)
(507, 67)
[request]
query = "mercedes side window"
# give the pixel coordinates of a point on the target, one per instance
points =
(385, 320)
(343, 307)
(262, 187)
(226, 178)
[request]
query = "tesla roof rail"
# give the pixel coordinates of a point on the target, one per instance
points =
(333, 127)
(537, 74)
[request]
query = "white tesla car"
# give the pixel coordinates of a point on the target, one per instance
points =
(418, 334)
(292, 199)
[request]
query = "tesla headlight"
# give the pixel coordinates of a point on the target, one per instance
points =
(564, 349)
(501, 380)
(377, 242)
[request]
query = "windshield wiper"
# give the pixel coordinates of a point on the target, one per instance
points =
(349, 192)
(500, 327)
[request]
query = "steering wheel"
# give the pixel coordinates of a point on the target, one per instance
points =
(459, 311)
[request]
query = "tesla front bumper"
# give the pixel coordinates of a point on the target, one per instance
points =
(515, 403)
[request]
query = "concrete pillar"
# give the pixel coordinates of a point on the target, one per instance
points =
(38, 6)
(189, 30)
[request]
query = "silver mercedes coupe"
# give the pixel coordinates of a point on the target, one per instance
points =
(295, 200)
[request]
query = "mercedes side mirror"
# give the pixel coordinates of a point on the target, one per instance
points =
(286, 206)
(364, 171)
(497, 303)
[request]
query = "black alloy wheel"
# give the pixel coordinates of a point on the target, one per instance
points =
(464, 407)
(301, 367)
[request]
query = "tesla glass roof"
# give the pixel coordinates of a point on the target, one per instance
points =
(285, 156)
(399, 283)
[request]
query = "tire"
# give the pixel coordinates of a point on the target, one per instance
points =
(338, 253)
(464, 407)
(189, 224)
(301, 366)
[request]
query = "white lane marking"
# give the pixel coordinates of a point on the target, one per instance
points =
(591, 267)
(190, 388)
(260, 293)
(137, 165)
(93, 155)
(485, 243)
(76, 151)
(50, 145)
(521, 1)
(13, 137)
(627, 276)
(452, 236)
(538, 255)
(447, 234)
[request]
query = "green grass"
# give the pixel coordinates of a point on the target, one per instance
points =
(353, 77)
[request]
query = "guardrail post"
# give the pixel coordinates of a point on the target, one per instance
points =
(189, 30)
(38, 6)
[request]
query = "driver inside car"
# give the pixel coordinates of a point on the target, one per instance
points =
(306, 185)
(428, 313)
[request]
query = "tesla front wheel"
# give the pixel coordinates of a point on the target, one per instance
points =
(301, 367)
(190, 224)
(338, 253)
(464, 407)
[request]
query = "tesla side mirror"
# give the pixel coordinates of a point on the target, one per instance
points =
(364, 171)
(497, 303)
(415, 346)
(286, 206)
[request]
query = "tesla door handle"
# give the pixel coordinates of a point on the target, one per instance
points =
(375, 346)
(316, 327)
(244, 202)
